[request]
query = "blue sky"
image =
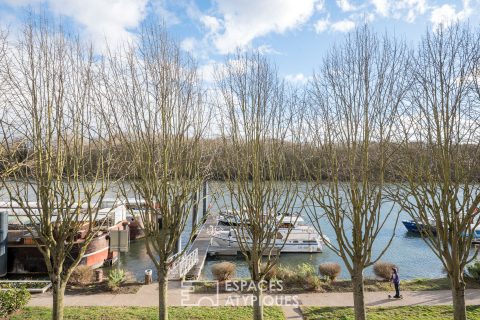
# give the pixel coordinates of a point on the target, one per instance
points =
(293, 33)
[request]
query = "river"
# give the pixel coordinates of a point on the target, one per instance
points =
(409, 252)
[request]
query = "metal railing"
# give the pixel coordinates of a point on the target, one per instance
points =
(180, 268)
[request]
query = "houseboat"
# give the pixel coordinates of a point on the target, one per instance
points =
(23, 255)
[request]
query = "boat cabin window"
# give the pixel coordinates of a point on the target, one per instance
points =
(286, 225)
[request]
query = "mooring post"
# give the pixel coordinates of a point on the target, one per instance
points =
(179, 245)
(204, 207)
(195, 210)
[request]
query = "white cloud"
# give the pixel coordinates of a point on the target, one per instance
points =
(346, 5)
(321, 25)
(241, 21)
(298, 78)
(343, 25)
(207, 71)
(166, 15)
(188, 44)
(210, 22)
(267, 49)
(447, 14)
(100, 19)
(413, 7)
(320, 6)
(382, 7)
(400, 9)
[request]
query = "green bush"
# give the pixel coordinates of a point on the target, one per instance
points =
(301, 276)
(115, 278)
(306, 270)
(12, 300)
(474, 270)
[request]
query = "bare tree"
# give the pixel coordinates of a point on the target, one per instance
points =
(261, 189)
(157, 114)
(355, 98)
(441, 128)
(61, 176)
(3, 109)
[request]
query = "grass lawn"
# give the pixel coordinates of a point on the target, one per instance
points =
(344, 285)
(406, 285)
(115, 313)
(392, 313)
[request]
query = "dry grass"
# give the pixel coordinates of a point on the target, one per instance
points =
(384, 270)
(223, 271)
(330, 270)
(302, 277)
(272, 273)
(81, 276)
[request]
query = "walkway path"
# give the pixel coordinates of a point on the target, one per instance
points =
(147, 296)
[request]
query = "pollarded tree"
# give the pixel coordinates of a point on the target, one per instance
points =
(3, 125)
(441, 149)
(354, 101)
(62, 173)
(260, 188)
(156, 115)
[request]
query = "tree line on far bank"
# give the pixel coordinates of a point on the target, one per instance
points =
(303, 159)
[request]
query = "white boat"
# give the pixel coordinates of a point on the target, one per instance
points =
(293, 236)
(229, 218)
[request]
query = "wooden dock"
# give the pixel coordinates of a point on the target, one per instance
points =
(202, 243)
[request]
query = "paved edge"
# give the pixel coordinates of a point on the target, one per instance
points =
(292, 313)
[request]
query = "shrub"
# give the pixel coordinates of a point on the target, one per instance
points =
(474, 270)
(272, 273)
(306, 269)
(223, 271)
(301, 276)
(384, 270)
(115, 278)
(12, 300)
(81, 275)
(329, 270)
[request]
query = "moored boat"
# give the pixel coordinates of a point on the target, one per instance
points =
(293, 235)
(416, 227)
(23, 255)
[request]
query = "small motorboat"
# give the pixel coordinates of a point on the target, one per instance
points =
(413, 226)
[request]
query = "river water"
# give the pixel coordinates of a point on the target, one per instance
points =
(409, 252)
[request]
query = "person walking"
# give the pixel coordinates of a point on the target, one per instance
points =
(396, 282)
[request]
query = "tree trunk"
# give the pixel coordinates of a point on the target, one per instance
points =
(162, 294)
(358, 295)
(58, 294)
(458, 297)
(258, 302)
